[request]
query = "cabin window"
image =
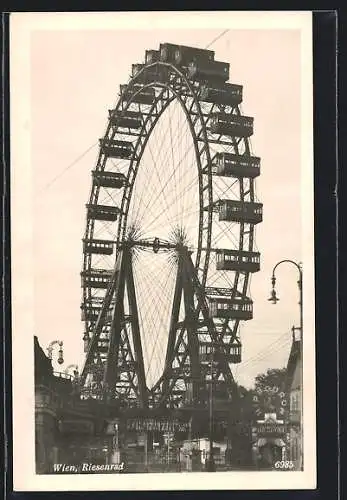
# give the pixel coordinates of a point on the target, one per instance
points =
(294, 401)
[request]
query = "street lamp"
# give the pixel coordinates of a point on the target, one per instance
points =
(274, 299)
(54, 343)
(211, 466)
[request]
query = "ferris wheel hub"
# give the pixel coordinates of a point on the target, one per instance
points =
(156, 244)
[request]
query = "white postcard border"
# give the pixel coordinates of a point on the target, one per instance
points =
(23, 327)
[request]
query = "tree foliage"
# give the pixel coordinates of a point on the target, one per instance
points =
(273, 377)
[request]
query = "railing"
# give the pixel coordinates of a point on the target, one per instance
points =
(64, 375)
(47, 396)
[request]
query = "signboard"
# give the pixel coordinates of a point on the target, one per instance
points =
(156, 424)
(269, 398)
(271, 430)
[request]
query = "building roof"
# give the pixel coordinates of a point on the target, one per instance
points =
(44, 372)
(293, 373)
(43, 365)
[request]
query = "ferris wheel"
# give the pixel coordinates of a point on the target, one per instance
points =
(169, 244)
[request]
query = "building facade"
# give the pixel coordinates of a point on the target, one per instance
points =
(294, 391)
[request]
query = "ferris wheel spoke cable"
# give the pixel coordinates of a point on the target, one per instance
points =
(193, 183)
(141, 220)
(189, 168)
(191, 147)
(165, 295)
(146, 212)
(193, 172)
(178, 216)
(151, 205)
(185, 190)
(148, 184)
(158, 216)
(180, 201)
(153, 300)
(178, 115)
(161, 132)
(188, 212)
(176, 220)
(136, 198)
(170, 179)
(171, 149)
(145, 169)
(172, 176)
(149, 321)
(142, 290)
(182, 172)
(156, 363)
(158, 176)
(150, 276)
(164, 134)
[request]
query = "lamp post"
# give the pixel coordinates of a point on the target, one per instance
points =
(115, 452)
(274, 299)
(54, 343)
(211, 466)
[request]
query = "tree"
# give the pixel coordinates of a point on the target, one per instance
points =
(269, 394)
(274, 377)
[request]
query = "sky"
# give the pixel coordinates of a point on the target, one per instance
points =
(75, 78)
